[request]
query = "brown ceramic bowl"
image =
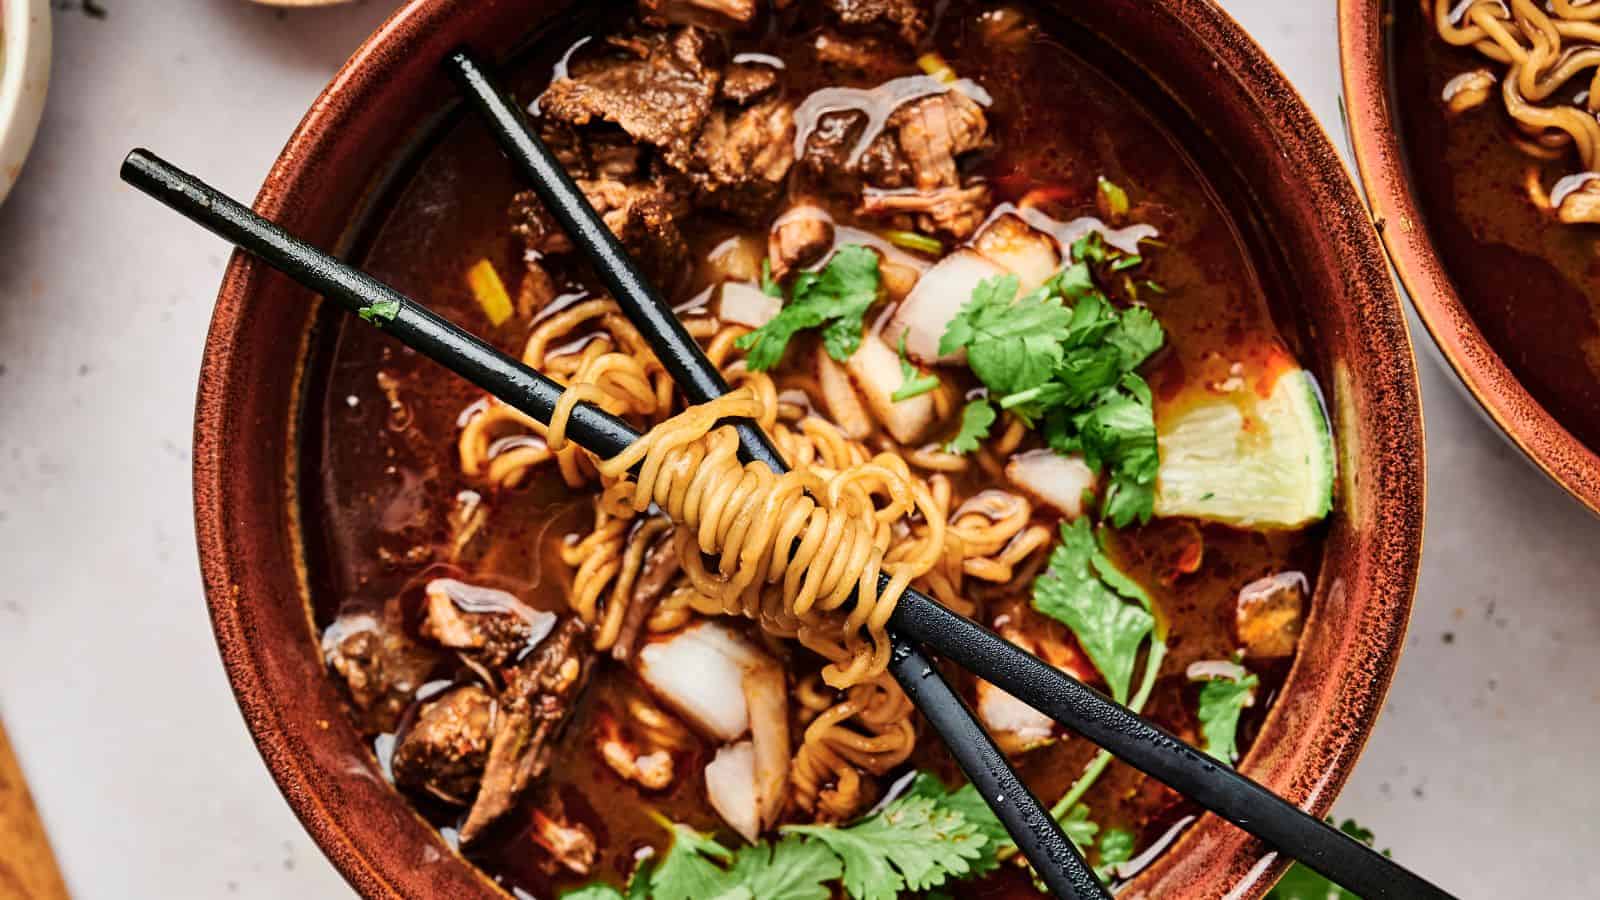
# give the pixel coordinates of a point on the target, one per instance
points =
(1375, 138)
(384, 102)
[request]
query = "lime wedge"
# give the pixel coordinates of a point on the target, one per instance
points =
(1248, 460)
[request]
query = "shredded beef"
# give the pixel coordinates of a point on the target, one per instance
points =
(956, 211)
(568, 843)
(536, 703)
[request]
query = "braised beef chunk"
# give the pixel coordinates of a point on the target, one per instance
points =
(830, 160)
(929, 135)
(933, 131)
(743, 160)
(537, 701)
(642, 215)
(381, 666)
(659, 89)
(492, 624)
(536, 291)
(644, 219)
(615, 156)
(799, 237)
(907, 18)
(531, 222)
(910, 171)
(710, 13)
(744, 82)
(444, 750)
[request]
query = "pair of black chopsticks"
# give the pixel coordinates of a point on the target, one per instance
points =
(917, 618)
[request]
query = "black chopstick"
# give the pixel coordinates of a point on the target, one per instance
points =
(918, 617)
(1108, 724)
(1037, 834)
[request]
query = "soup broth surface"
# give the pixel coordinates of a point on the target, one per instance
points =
(382, 482)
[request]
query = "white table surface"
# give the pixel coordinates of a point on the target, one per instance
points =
(1480, 775)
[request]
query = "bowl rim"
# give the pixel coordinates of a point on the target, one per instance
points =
(25, 40)
(1373, 130)
(1384, 537)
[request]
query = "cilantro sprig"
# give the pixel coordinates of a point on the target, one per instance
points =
(1112, 617)
(977, 417)
(834, 299)
(1082, 589)
(913, 844)
(1064, 358)
(920, 841)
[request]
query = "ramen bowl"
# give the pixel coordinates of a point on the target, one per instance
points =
(1508, 324)
(1186, 60)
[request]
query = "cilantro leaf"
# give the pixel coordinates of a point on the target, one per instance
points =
(914, 382)
(969, 803)
(1137, 335)
(792, 869)
(1012, 344)
(835, 299)
(1074, 591)
(1116, 848)
(379, 311)
(1119, 433)
(1073, 282)
(1078, 827)
(688, 871)
(1221, 702)
(1302, 883)
(912, 844)
(976, 419)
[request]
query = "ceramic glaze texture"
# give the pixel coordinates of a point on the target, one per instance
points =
(381, 103)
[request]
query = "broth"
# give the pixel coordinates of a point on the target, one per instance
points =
(1527, 281)
(381, 481)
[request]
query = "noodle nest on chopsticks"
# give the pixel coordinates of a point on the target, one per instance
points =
(799, 553)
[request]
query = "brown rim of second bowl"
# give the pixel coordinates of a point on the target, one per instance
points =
(1380, 161)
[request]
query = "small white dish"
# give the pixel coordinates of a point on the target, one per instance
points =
(24, 78)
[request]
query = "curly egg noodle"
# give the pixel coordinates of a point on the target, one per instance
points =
(1550, 84)
(798, 552)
